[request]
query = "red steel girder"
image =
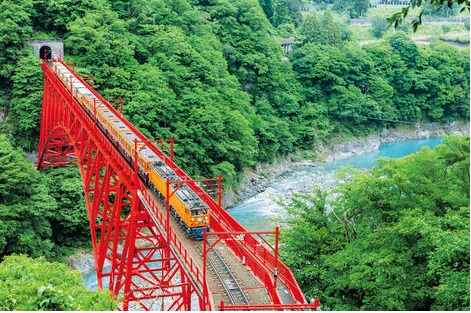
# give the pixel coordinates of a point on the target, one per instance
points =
(133, 257)
(139, 259)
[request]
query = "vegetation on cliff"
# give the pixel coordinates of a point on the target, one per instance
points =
(213, 75)
(28, 284)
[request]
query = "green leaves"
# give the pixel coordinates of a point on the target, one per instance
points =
(35, 284)
(171, 59)
(392, 238)
(40, 214)
(25, 106)
(25, 205)
(15, 29)
(397, 18)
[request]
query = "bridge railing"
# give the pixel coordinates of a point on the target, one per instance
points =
(182, 253)
(257, 257)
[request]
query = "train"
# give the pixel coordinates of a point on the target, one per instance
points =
(186, 205)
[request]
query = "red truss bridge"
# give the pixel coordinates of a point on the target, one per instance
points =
(147, 252)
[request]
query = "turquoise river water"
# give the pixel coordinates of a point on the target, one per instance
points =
(257, 213)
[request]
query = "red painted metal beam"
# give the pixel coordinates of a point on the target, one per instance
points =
(129, 247)
(136, 256)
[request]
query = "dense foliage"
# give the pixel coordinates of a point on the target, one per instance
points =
(41, 214)
(213, 75)
(395, 237)
(38, 285)
(24, 205)
(436, 6)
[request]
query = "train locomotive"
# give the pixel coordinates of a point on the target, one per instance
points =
(185, 205)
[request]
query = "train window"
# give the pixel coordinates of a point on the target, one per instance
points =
(198, 212)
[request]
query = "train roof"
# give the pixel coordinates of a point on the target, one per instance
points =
(119, 125)
(164, 170)
(190, 198)
(148, 154)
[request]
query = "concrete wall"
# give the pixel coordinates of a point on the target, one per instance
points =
(56, 46)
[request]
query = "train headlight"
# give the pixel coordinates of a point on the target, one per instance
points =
(192, 219)
(200, 219)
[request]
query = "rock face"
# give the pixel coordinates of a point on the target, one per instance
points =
(260, 178)
(83, 262)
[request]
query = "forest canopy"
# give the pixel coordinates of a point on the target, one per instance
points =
(213, 75)
(393, 238)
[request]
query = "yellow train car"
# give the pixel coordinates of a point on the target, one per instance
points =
(187, 207)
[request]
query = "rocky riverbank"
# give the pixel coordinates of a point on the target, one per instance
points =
(82, 261)
(262, 176)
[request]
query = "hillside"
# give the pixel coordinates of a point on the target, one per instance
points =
(213, 75)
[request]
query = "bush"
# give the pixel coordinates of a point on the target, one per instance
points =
(35, 284)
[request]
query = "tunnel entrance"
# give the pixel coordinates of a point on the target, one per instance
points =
(47, 49)
(45, 53)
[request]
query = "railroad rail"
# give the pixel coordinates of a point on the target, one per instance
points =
(229, 282)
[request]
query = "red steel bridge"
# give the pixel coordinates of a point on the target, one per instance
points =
(139, 255)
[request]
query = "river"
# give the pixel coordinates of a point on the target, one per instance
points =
(257, 213)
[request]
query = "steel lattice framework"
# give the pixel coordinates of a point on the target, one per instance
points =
(132, 254)
(137, 254)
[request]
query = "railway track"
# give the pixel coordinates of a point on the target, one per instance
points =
(229, 282)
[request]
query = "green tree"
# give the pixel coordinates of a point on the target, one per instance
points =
(308, 218)
(54, 15)
(448, 88)
(281, 14)
(100, 45)
(256, 60)
(286, 30)
(378, 26)
(15, 29)
(37, 285)
(320, 30)
(25, 205)
(395, 237)
(397, 18)
(69, 221)
(268, 7)
(25, 111)
(345, 83)
(405, 48)
(354, 8)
